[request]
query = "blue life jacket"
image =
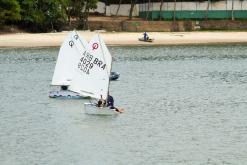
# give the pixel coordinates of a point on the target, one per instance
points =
(110, 101)
(145, 35)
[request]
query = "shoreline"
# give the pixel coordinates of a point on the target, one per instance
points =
(36, 40)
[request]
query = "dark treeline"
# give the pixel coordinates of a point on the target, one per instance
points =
(45, 15)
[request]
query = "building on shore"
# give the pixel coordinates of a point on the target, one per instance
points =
(175, 9)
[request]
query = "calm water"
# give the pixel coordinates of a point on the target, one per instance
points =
(184, 105)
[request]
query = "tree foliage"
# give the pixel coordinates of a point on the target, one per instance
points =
(9, 11)
(79, 9)
(46, 15)
(43, 15)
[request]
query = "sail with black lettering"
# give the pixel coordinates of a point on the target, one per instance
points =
(69, 52)
(93, 70)
(106, 54)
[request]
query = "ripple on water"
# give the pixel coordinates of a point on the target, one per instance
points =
(183, 105)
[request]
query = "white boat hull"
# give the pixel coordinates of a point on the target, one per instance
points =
(93, 109)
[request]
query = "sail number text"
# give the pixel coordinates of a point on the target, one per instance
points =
(87, 62)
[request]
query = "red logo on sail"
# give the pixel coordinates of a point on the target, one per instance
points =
(95, 46)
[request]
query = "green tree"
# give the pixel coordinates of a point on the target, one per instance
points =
(90, 4)
(9, 11)
(43, 15)
(79, 9)
(54, 13)
(31, 17)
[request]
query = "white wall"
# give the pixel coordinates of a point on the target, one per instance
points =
(237, 5)
(189, 5)
(202, 5)
(144, 6)
(221, 5)
(108, 10)
(125, 8)
(100, 8)
(112, 9)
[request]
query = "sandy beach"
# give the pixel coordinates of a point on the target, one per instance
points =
(124, 38)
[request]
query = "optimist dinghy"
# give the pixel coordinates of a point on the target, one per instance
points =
(147, 40)
(114, 75)
(70, 50)
(92, 76)
(64, 71)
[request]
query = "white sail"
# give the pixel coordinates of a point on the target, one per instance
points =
(92, 71)
(67, 57)
(106, 53)
(77, 37)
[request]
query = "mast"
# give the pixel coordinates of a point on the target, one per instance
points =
(106, 66)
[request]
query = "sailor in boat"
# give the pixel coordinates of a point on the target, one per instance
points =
(110, 104)
(101, 102)
(64, 88)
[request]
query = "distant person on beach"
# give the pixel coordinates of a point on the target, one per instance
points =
(145, 36)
